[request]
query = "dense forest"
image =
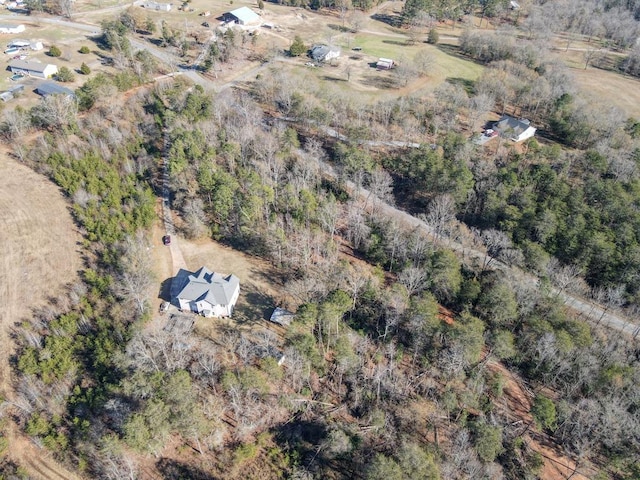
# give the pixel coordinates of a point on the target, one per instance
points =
(399, 358)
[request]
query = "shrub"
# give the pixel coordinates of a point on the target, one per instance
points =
(433, 37)
(54, 51)
(84, 69)
(84, 49)
(297, 47)
(65, 75)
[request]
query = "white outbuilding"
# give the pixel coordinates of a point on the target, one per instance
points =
(242, 16)
(12, 28)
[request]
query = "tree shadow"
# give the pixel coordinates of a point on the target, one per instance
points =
(401, 43)
(383, 83)
(165, 290)
(340, 28)
(174, 470)
(254, 307)
(465, 83)
(333, 79)
(392, 20)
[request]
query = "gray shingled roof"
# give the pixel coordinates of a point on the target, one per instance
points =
(513, 125)
(50, 88)
(30, 65)
(212, 287)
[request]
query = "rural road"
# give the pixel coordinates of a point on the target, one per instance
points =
(591, 311)
(177, 259)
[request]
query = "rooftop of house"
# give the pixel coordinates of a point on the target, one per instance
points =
(212, 287)
(512, 124)
(245, 14)
(32, 65)
(50, 88)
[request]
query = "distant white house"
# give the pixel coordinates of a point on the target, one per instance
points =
(18, 43)
(324, 53)
(514, 129)
(242, 16)
(160, 7)
(12, 28)
(385, 64)
(207, 293)
(33, 68)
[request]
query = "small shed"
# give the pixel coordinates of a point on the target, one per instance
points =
(282, 317)
(385, 64)
(242, 16)
(50, 88)
(160, 7)
(36, 46)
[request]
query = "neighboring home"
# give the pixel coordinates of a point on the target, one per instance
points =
(207, 293)
(18, 43)
(385, 64)
(50, 88)
(11, 93)
(514, 129)
(324, 53)
(282, 317)
(12, 28)
(161, 7)
(33, 68)
(242, 16)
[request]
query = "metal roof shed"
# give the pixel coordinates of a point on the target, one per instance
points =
(243, 16)
(50, 88)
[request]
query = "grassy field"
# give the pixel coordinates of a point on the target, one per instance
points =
(39, 257)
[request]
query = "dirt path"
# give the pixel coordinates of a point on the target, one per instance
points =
(39, 257)
(584, 308)
(515, 404)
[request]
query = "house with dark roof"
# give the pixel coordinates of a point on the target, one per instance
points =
(324, 53)
(514, 129)
(50, 88)
(33, 68)
(208, 293)
(242, 16)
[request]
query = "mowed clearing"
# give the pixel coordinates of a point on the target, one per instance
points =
(39, 257)
(618, 90)
(259, 285)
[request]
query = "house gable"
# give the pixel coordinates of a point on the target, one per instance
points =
(209, 293)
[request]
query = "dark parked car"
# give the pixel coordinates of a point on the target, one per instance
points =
(166, 239)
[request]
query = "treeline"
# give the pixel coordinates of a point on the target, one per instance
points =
(348, 312)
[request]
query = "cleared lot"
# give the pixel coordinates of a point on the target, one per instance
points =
(39, 256)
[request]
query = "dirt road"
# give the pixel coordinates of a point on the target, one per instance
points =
(588, 310)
